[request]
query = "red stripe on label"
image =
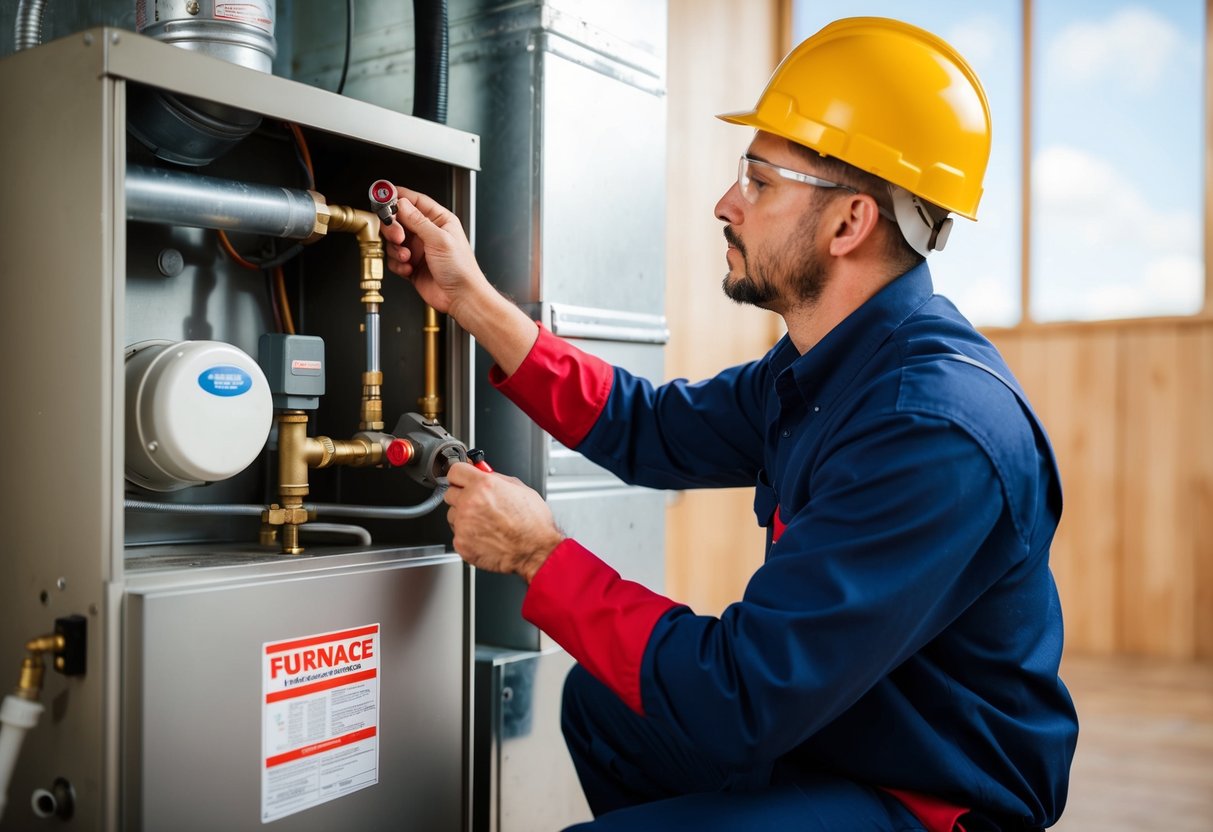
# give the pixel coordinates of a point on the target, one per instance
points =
(306, 642)
(320, 747)
(316, 687)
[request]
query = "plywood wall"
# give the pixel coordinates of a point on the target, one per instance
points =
(1129, 408)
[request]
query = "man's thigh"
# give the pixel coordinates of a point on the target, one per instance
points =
(639, 776)
(823, 805)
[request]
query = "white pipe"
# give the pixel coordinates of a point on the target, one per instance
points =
(17, 716)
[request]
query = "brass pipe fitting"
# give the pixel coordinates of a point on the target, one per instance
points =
(371, 415)
(29, 684)
(365, 226)
(430, 404)
(297, 453)
(323, 215)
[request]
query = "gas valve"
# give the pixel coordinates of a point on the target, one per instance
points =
(382, 195)
(424, 449)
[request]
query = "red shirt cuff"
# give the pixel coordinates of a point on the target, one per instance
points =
(603, 621)
(559, 386)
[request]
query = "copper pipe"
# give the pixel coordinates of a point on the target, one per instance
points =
(430, 404)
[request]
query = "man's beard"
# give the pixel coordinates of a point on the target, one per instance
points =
(797, 262)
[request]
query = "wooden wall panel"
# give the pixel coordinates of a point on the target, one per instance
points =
(1057, 373)
(720, 56)
(1197, 424)
(1129, 407)
(1156, 596)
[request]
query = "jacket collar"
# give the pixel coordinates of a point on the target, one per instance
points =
(824, 371)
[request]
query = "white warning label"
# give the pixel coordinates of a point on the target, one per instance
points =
(319, 720)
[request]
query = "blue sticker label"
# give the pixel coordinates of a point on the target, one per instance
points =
(225, 381)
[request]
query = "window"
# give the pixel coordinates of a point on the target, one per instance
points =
(1117, 177)
(1116, 192)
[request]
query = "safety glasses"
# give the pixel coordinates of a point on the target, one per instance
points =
(753, 176)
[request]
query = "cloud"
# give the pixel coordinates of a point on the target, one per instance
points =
(1111, 253)
(1135, 48)
(1091, 198)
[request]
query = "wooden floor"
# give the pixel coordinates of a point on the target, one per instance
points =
(1145, 746)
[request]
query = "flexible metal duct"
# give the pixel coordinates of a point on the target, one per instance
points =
(432, 36)
(28, 28)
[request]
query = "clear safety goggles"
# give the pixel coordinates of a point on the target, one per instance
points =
(751, 188)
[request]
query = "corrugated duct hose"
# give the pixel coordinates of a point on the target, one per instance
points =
(432, 37)
(28, 28)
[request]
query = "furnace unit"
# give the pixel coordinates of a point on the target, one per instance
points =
(220, 546)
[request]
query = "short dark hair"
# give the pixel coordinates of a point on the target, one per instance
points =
(897, 249)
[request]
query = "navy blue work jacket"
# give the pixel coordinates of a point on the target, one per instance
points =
(904, 629)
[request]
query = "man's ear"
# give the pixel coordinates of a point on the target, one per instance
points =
(855, 221)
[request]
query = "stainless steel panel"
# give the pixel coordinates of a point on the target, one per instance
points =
(525, 781)
(602, 191)
(193, 705)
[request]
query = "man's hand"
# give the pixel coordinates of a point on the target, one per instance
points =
(429, 247)
(500, 525)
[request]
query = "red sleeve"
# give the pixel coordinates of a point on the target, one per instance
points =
(562, 388)
(935, 814)
(603, 621)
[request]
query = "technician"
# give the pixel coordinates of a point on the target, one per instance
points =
(893, 664)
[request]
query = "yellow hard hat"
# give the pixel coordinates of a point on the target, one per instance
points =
(888, 98)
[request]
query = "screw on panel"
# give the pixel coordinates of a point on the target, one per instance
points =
(61, 583)
(88, 38)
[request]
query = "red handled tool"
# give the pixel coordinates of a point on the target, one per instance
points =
(476, 457)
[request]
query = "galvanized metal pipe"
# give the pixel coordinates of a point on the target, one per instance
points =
(372, 342)
(169, 197)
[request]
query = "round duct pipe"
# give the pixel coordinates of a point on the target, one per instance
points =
(171, 197)
(187, 130)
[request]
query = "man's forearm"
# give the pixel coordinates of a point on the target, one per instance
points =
(504, 330)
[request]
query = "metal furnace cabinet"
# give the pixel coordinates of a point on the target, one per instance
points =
(165, 728)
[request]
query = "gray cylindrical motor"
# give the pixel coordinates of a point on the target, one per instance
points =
(187, 130)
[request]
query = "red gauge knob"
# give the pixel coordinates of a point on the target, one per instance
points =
(382, 194)
(399, 452)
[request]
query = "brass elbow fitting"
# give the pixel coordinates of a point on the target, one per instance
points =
(365, 226)
(29, 685)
